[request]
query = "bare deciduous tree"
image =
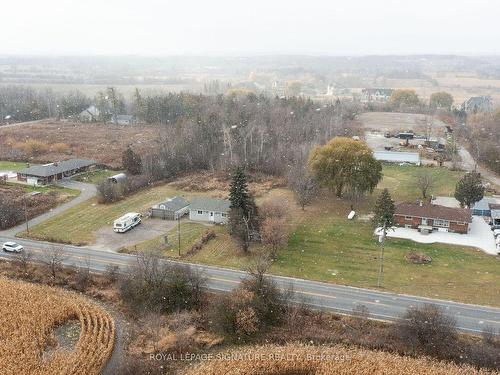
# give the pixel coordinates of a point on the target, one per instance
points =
(274, 234)
(53, 258)
(23, 261)
(425, 182)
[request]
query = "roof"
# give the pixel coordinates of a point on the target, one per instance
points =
(433, 211)
(127, 216)
(483, 204)
(172, 204)
(92, 110)
(209, 204)
(395, 156)
(380, 91)
(56, 168)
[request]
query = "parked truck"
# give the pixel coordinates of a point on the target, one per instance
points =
(127, 222)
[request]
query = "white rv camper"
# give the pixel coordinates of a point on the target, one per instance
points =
(126, 222)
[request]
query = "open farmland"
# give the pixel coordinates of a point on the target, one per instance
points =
(394, 121)
(46, 142)
(29, 316)
(322, 360)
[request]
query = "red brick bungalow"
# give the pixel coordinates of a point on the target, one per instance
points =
(430, 217)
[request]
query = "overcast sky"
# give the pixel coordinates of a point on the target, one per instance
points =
(250, 27)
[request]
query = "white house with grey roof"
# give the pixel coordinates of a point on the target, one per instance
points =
(209, 210)
(171, 209)
(53, 172)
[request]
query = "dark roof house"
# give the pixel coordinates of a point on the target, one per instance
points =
(47, 173)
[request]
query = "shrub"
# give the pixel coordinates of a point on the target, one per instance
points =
(32, 147)
(428, 330)
(60, 147)
(155, 285)
(109, 192)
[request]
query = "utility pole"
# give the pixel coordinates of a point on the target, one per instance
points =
(179, 233)
(381, 267)
(26, 214)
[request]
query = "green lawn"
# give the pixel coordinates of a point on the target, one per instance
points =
(190, 233)
(78, 224)
(323, 245)
(47, 189)
(94, 177)
(402, 181)
(11, 166)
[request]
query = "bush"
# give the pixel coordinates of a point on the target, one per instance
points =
(10, 215)
(109, 192)
(250, 308)
(32, 147)
(155, 285)
(61, 148)
(426, 329)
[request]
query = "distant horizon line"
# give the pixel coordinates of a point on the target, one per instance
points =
(242, 55)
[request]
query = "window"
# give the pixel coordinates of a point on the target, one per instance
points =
(441, 223)
(408, 226)
(200, 212)
(408, 218)
(224, 215)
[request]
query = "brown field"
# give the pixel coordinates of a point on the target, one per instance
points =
(395, 122)
(46, 142)
(323, 360)
(29, 317)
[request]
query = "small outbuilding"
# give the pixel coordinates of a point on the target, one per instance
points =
(118, 178)
(209, 210)
(171, 209)
(398, 157)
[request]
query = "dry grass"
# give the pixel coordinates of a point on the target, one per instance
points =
(314, 360)
(29, 314)
(45, 142)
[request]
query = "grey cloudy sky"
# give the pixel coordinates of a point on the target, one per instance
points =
(222, 27)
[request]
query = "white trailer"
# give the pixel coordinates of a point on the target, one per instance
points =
(127, 222)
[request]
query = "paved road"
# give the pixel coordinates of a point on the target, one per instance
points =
(469, 164)
(87, 191)
(329, 297)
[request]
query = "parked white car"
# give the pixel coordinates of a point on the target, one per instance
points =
(12, 247)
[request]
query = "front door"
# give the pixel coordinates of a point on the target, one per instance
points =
(424, 221)
(212, 216)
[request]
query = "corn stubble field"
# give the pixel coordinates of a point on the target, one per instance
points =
(29, 314)
(297, 359)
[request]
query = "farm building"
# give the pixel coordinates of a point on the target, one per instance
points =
(477, 104)
(429, 217)
(172, 209)
(49, 173)
(210, 210)
(398, 157)
(376, 95)
(91, 114)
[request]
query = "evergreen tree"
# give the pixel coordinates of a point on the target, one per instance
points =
(384, 210)
(131, 161)
(469, 189)
(238, 192)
